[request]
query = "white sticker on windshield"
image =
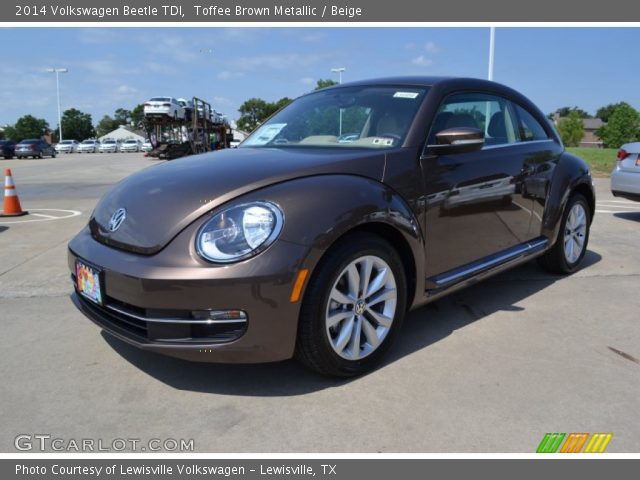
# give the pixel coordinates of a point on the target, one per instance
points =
(265, 134)
(405, 94)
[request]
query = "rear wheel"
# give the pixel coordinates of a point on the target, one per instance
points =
(353, 308)
(570, 247)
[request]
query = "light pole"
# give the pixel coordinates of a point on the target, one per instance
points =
(58, 71)
(492, 46)
(339, 71)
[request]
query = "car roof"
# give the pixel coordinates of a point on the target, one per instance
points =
(427, 81)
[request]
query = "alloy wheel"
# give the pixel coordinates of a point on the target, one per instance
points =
(361, 307)
(574, 233)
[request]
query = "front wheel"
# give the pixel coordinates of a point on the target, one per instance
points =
(571, 245)
(353, 308)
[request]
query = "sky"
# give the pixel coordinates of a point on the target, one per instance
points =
(121, 67)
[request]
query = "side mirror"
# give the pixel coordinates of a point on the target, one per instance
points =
(457, 140)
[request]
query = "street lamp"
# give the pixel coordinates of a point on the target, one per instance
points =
(492, 46)
(58, 71)
(339, 71)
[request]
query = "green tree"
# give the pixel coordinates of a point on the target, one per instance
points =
(27, 126)
(122, 116)
(604, 113)
(137, 115)
(324, 83)
(256, 110)
(566, 111)
(623, 126)
(106, 125)
(571, 129)
(77, 125)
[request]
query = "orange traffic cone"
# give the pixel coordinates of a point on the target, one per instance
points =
(12, 206)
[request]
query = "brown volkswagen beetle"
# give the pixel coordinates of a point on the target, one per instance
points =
(340, 213)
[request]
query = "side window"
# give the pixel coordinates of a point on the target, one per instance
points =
(489, 113)
(529, 128)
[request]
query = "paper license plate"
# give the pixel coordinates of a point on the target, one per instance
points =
(88, 282)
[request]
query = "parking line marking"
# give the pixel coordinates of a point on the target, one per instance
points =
(49, 218)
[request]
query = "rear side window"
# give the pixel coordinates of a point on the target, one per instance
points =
(489, 113)
(529, 129)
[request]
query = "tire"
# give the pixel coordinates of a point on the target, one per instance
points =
(577, 219)
(331, 350)
(53, 154)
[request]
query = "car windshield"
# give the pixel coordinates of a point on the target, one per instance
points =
(362, 116)
(109, 141)
(130, 141)
(66, 142)
(29, 142)
(160, 99)
(89, 142)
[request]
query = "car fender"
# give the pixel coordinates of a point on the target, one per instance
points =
(319, 210)
(571, 173)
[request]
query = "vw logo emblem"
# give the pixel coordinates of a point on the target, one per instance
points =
(116, 219)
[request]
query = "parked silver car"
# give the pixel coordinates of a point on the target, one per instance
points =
(146, 146)
(89, 146)
(130, 145)
(625, 178)
(67, 146)
(109, 145)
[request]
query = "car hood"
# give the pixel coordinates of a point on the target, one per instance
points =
(162, 200)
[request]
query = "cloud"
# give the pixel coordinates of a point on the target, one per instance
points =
(221, 102)
(96, 35)
(431, 47)
(126, 90)
(161, 68)
(109, 68)
(313, 37)
(227, 75)
(421, 61)
(277, 61)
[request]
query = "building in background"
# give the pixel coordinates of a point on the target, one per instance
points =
(590, 139)
(125, 133)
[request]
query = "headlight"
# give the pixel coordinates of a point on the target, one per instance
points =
(239, 232)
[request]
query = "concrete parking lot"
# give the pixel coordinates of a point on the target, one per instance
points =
(489, 369)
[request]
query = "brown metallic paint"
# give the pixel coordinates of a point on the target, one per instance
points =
(151, 262)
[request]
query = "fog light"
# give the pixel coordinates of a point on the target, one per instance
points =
(220, 316)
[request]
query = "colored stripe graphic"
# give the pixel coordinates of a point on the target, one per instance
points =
(550, 443)
(574, 443)
(598, 443)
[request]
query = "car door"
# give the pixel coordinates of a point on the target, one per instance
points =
(474, 202)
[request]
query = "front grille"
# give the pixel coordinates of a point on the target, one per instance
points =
(159, 326)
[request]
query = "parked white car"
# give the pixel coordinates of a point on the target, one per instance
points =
(130, 146)
(165, 107)
(625, 178)
(187, 105)
(146, 146)
(109, 145)
(89, 146)
(67, 146)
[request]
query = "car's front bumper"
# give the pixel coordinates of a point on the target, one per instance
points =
(109, 150)
(139, 290)
(625, 184)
